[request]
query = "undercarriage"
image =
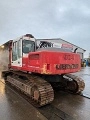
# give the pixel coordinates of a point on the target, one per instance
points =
(40, 88)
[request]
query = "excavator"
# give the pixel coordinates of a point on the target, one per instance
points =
(36, 67)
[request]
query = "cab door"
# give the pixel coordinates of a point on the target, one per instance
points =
(17, 53)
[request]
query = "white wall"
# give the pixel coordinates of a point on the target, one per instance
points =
(79, 50)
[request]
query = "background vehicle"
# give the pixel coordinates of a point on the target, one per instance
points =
(36, 67)
(83, 63)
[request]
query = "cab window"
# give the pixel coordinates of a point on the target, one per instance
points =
(28, 46)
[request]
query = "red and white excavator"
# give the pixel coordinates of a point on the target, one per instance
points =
(37, 66)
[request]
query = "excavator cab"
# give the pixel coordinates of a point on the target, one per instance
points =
(21, 48)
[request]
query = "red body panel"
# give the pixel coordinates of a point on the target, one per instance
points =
(49, 62)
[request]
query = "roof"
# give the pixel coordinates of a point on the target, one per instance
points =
(5, 43)
(64, 41)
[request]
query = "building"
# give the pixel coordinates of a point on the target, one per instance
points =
(67, 45)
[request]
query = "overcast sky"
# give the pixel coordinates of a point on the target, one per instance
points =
(66, 19)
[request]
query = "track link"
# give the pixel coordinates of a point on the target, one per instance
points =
(38, 90)
(75, 84)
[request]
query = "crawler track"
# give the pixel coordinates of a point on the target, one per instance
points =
(39, 91)
(75, 84)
